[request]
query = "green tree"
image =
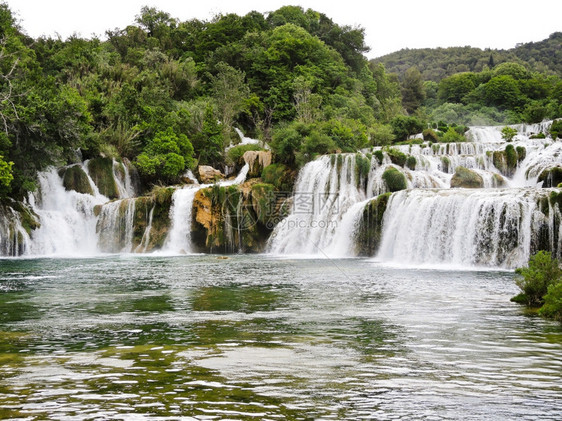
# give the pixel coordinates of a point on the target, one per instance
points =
(230, 93)
(508, 133)
(166, 157)
(413, 92)
(534, 280)
(454, 88)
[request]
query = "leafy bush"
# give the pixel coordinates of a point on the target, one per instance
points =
(165, 157)
(396, 156)
(379, 155)
(411, 162)
(429, 134)
(404, 126)
(508, 133)
(535, 279)
(556, 129)
(552, 307)
(394, 179)
(453, 136)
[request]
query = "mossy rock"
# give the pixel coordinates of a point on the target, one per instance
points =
(257, 161)
(551, 177)
(75, 178)
(264, 201)
(394, 179)
(511, 157)
(411, 162)
(445, 164)
(225, 220)
(29, 220)
(369, 232)
(158, 203)
(379, 155)
(101, 172)
(466, 178)
(498, 181)
(396, 156)
(521, 153)
(280, 176)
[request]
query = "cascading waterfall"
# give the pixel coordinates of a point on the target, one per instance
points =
(14, 239)
(325, 190)
(488, 227)
(68, 222)
(179, 237)
(115, 226)
(499, 224)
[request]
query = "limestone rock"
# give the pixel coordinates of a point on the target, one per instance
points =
(208, 174)
(257, 160)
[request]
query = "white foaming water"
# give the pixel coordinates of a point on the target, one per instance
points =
(68, 223)
(115, 226)
(179, 238)
(324, 192)
(462, 226)
(431, 223)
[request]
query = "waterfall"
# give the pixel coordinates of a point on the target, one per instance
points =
(145, 240)
(68, 222)
(325, 190)
(179, 236)
(499, 224)
(14, 239)
(483, 227)
(115, 226)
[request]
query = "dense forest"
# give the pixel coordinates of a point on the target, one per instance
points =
(167, 95)
(437, 63)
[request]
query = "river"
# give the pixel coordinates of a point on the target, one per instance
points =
(259, 337)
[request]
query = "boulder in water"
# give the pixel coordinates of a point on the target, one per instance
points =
(466, 178)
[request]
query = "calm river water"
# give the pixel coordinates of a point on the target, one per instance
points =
(256, 337)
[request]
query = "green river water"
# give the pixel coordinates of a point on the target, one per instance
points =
(258, 337)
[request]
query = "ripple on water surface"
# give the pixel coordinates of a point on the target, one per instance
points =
(254, 337)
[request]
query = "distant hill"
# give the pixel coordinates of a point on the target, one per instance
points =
(436, 63)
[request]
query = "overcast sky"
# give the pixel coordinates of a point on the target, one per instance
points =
(390, 25)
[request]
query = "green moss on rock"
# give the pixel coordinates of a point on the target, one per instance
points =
(396, 156)
(75, 178)
(101, 172)
(466, 178)
(279, 175)
(369, 233)
(394, 179)
(551, 177)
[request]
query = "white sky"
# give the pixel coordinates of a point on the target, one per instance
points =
(390, 25)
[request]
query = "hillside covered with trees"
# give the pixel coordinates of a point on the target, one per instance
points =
(437, 63)
(167, 95)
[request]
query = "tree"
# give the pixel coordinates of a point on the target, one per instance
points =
(508, 133)
(534, 280)
(230, 93)
(454, 88)
(413, 93)
(166, 157)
